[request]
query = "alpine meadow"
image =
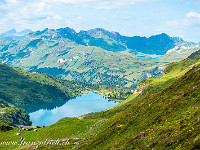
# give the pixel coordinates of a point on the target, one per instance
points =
(100, 75)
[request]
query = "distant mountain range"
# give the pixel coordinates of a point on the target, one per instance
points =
(158, 44)
(95, 56)
(14, 35)
(113, 41)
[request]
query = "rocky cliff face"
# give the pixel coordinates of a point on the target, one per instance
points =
(140, 87)
(154, 73)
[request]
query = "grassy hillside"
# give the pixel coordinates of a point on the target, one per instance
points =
(21, 87)
(66, 128)
(162, 114)
(14, 116)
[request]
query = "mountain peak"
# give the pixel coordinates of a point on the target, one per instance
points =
(12, 31)
(67, 29)
(14, 35)
(162, 35)
(26, 31)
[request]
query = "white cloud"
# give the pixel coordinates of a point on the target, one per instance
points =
(187, 27)
(193, 14)
(25, 10)
(192, 19)
(11, 2)
(38, 14)
(99, 4)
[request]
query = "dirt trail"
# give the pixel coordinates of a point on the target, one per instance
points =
(93, 126)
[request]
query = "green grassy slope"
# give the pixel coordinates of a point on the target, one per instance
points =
(164, 118)
(21, 87)
(163, 114)
(66, 128)
(172, 72)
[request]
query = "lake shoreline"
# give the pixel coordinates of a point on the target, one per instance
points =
(49, 113)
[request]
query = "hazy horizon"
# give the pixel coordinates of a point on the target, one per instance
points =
(177, 18)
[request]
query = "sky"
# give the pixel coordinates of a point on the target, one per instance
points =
(179, 18)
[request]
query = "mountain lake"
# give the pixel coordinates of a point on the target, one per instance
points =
(49, 113)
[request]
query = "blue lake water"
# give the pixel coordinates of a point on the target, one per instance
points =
(49, 113)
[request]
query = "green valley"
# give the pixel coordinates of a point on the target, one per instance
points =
(100, 74)
(18, 88)
(163, 113)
